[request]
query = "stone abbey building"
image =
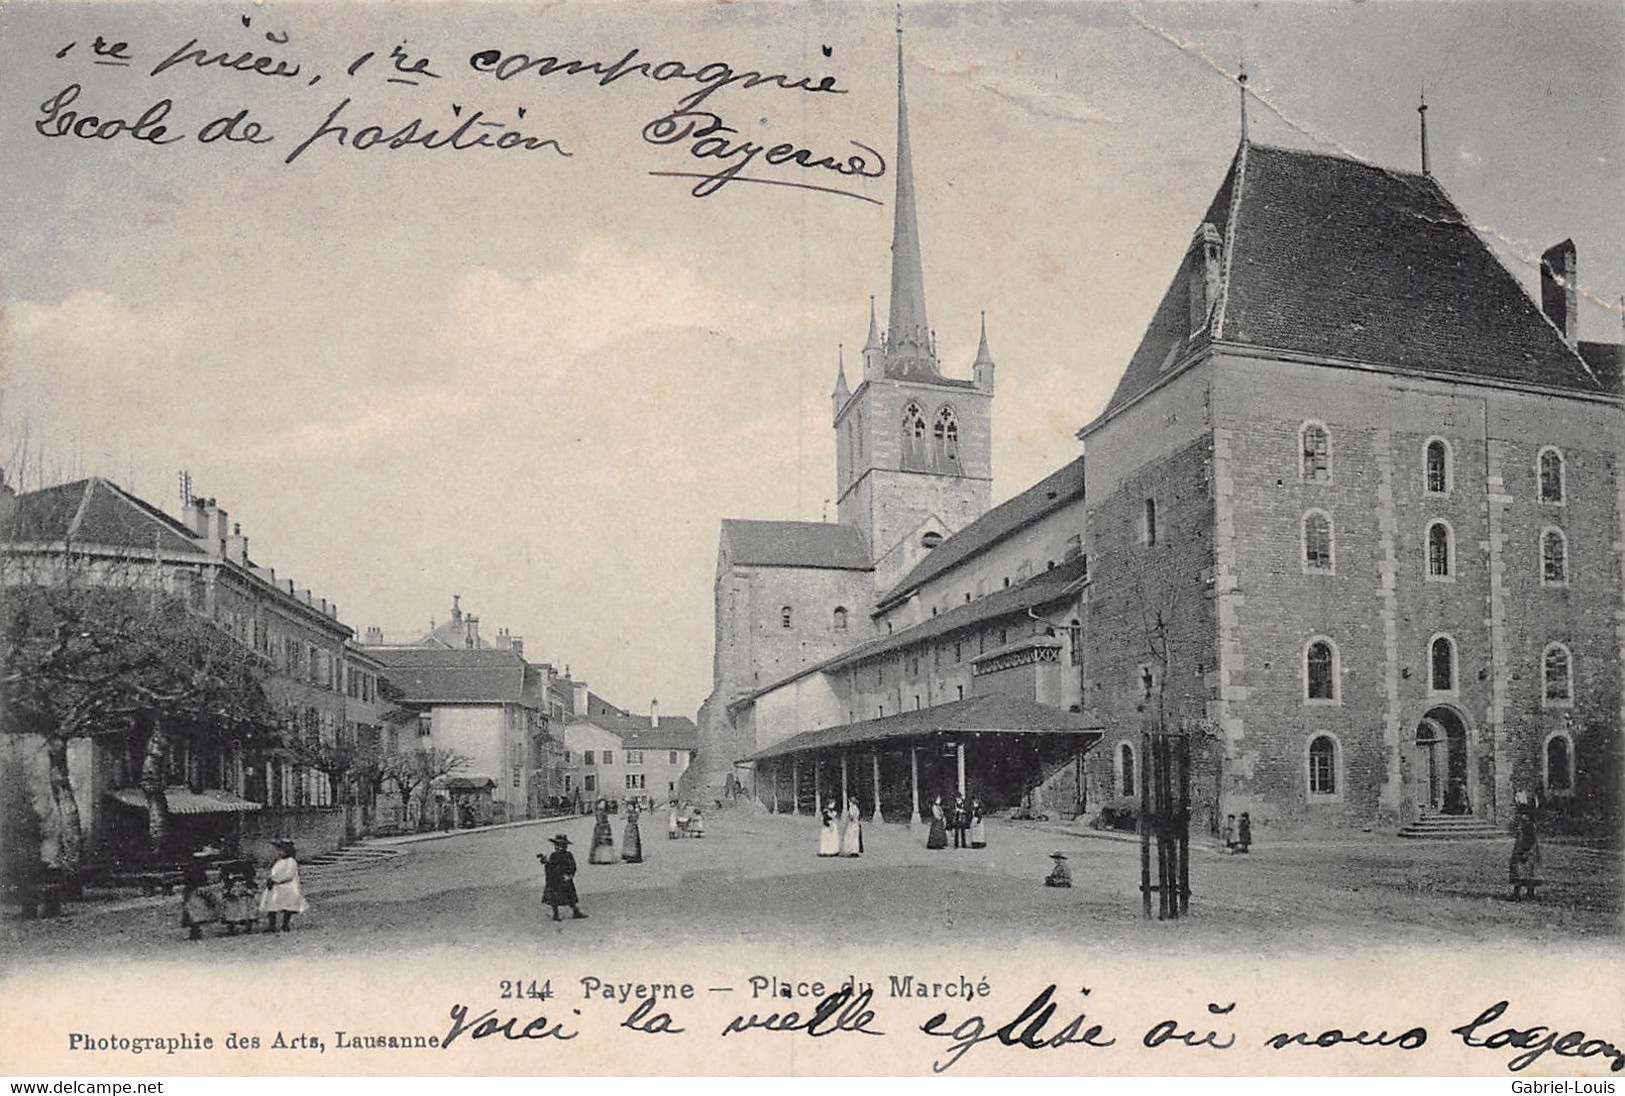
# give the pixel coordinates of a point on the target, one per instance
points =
(1353, 519)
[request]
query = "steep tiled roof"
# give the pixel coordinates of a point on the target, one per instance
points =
(436, 675)
(96, 512)
(795, 544)
(1335, 258)
(993, 714)
(1044, 588)
(674, 732)
(1048, 494)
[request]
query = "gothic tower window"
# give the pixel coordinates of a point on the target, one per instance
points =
(1442, 665)
(1441, 557)
(1323, 765)
(1437, 463)
(946, 436)
(1320, 672)
(840, 619)
(1315, 453)
(914, 444)
(1317, 541)
(784, 617)
(1556, 676)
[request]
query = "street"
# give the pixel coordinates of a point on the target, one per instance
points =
(755, 878)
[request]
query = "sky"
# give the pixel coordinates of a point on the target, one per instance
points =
(539, 381)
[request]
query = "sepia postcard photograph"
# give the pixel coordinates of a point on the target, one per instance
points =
(778, 538)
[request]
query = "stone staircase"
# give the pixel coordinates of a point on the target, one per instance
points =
(1453, 827)
(346, 859)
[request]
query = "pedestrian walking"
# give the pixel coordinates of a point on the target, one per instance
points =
(978, 826)
(200, 903)
(696, 823)
(1229, 835)
(559, 878)
(671, 820)
(1244, 832)
(852, 835)
(282, 892)
(961, 821)
(1523, 870)
(937, 838)
(829, 833)
(603, 837)
(1060, 875)
(632, 839)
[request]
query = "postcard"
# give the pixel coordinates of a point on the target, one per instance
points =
(1070, 539)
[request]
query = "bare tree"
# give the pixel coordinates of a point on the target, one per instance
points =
(413, 772)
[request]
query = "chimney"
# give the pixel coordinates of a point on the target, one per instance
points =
(237, 546)
(456, 607)
(517, 645)
(375, 636)
(197, 517)
(578, 697)
(1203, 281)
(1560, 289)
(472, 631)
(218, 527)
(654, 713)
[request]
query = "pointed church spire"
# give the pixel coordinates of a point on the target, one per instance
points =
(908, 335)
(981, 369)
(982, 355)
(873, 341)
(841, 390)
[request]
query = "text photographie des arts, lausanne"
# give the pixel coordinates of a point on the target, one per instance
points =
(783, 538)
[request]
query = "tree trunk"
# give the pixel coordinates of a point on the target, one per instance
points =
(71, 836)
(153, 765)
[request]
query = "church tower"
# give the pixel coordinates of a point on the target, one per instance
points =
(913, 447)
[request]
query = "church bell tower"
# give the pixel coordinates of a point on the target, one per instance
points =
(911, 444)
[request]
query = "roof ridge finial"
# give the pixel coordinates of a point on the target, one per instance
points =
(1241, 79)
(1422, 113)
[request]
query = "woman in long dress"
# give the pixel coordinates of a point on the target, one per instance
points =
(671, 820)
(978, 828)
(1523, 870)
(240, 908)
(938, 837)
(282, 893)
(603, 838)
(559, 870)
(852, 836)
(632, 839)
(200, 903)
(829, 835)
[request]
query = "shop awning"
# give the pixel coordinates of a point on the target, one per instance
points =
(187, 801)
(995, 714)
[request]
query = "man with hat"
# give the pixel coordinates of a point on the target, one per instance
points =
(1060, 877)
(560, 887)
(282, 892)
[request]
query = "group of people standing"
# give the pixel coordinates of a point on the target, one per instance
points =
(964, 817)
(236, 901)
(842, 831)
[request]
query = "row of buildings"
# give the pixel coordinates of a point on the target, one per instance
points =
(449, 728)
(1353, 522)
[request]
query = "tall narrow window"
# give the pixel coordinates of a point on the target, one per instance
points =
(1556, 675)
(1323, 765)
(1438, 467)
(1149, 531)
(1559, 764)
(914, 444)
(1316, 465)
(1442, 665)
(1074, 642)
(946, 435)
(1554, 558)
(1317, 541)
(1125, 769)
(1439, 554)
(1320, 671)
(840, 618)
(1551, 475)
(784, 617)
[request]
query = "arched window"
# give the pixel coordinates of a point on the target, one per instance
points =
(1441, 556)
(1316, 453)
(1125, 769)
(1317, 541)
(1554, 557)
(1320, 671)
(1551, 475)
(1437, 462)
(784, 617)
(914, 450)
(1322, 765)
(1442, 665)
(946, 435)
(1556, 676)
(1559, 763)
(840, 618)
(1074, 642)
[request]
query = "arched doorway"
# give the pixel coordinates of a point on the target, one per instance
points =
(1439, 766)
